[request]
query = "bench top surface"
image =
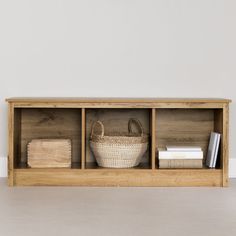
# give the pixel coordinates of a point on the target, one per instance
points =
(114, 100)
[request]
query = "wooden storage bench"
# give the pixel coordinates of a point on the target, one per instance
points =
(167, 121)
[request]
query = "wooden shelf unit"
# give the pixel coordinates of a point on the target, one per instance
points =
(166, 120)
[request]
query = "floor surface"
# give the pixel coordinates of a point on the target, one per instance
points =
(49, 211)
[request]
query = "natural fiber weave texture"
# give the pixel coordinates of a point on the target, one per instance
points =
(119, 151)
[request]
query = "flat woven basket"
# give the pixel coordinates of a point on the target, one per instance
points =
(119, 150)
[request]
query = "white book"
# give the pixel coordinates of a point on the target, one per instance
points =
(212, 148)
(183, 148)
(187, 155)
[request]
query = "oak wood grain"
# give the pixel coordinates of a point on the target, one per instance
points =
(114, 100)
(49, 153)
(184, 127)
(166, 120)
(124, 178)
(11, 145)
(41, 123)
(225, 146)
(140, 104)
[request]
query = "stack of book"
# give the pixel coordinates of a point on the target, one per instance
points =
(213, 150)
(180, 157)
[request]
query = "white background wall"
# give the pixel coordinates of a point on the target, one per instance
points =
(131, 48)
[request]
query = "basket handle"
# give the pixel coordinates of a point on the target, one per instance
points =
(98, 122)
(137, 123)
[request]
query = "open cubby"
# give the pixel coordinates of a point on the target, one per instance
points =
(166, 121)
(182, 126)
(46, 123)
(116, 120)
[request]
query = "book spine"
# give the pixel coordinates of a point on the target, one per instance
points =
(183, 149)
(180, 164)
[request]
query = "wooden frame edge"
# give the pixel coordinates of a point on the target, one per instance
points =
(10, 144)
(225, 174)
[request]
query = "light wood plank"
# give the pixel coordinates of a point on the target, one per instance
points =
(49, 153)
(10, 145)
(226, 146)
(124, 178)
(114, 100)
(99, 104)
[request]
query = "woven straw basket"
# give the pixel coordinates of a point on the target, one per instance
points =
(119, 150)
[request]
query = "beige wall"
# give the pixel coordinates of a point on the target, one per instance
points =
(144, 48)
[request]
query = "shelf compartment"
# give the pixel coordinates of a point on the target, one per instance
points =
(46, 123)
(116, 120)
(188, 127)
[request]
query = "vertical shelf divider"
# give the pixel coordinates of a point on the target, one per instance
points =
(83, 138)
(153, 139)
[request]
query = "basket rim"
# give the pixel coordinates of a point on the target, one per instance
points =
(114, 143)
(126, 140)
(120, 135)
